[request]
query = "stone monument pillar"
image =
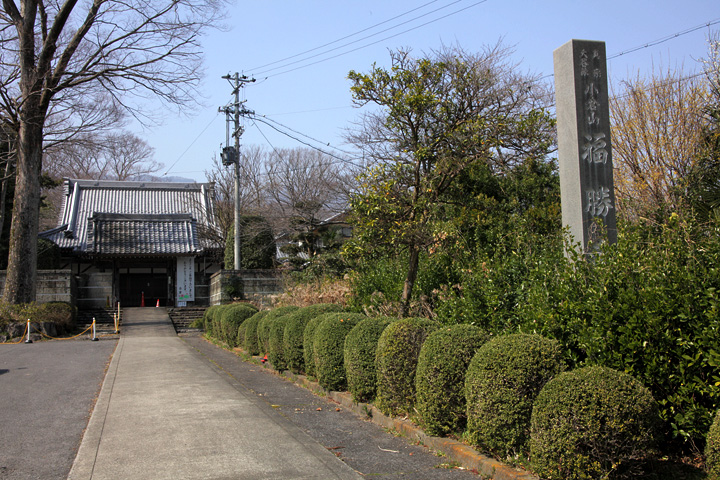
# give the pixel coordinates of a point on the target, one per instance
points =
(584, 149)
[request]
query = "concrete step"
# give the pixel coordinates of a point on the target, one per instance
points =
(182, 317)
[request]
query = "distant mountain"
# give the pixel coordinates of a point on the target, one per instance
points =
(163, 179)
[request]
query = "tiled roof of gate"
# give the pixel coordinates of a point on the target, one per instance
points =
(134, 218)
(117, 234)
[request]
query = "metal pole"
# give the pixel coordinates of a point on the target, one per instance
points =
(237, 172)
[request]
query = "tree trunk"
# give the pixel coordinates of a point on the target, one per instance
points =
(410, 278)
(4, 190)
(21, 276)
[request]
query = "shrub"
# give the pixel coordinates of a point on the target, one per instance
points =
(19, 313)
(308, 342)
(276, 354)
(647, 306)
(232, 317)
(502, 381)
(440, 377)
(328, 348)
(207, 319)
(263, 328)
(197, 323)
(62, 314)
(279, 339)
(590, 423)
(396, 360)
(294, 334)
(712, 449)
(360, 349)
(240, 335)
(250, 326)
(217, 322)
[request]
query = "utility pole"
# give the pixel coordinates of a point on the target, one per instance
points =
(231, 154)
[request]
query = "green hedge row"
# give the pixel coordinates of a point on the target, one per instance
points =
(329, 348)
(224, 322)
(293, 339)
(508, 395)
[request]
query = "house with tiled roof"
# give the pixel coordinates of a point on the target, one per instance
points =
(138, 242)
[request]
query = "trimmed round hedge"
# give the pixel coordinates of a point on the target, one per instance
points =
(263, 328)
(328, 348)
(396, 360)
(276, 355)
(502, 381)
(440, 377)
(294, 334)
(217, 322)
(241, 333)
(308, 342)
(207, 319)
(712, 449)
(360, 350)
(232, 317)
(591, 422)
(251, 338)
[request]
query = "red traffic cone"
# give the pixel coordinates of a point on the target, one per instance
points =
(264, 359)
(157, 304)
(142, 300)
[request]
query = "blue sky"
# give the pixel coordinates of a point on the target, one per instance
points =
(315, 100)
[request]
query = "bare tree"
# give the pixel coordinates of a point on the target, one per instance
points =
(304, 187)
(101, 156)
(657, 130)
(711, 66)
(293, 189)
(132, 50)
(81, 158)
(128, 156)
(251, 187)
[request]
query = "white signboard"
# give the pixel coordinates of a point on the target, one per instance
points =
(185, 280)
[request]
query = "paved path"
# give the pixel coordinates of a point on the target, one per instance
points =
(47, 391)
(165, 413)
(362, 444)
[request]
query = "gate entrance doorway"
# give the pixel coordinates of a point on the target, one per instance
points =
(151, 283)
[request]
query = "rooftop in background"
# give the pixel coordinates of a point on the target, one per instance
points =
(112, 218)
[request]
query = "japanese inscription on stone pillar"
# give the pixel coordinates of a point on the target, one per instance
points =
(584, 148)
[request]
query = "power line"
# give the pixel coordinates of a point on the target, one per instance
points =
(611, 57)
(277, 129)
(372, 43)
(658, 85)
(262, 72)
(345, 37)
(190, 146)
(306, 136)
(665, 39)
(277, 152)
(653, 43)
